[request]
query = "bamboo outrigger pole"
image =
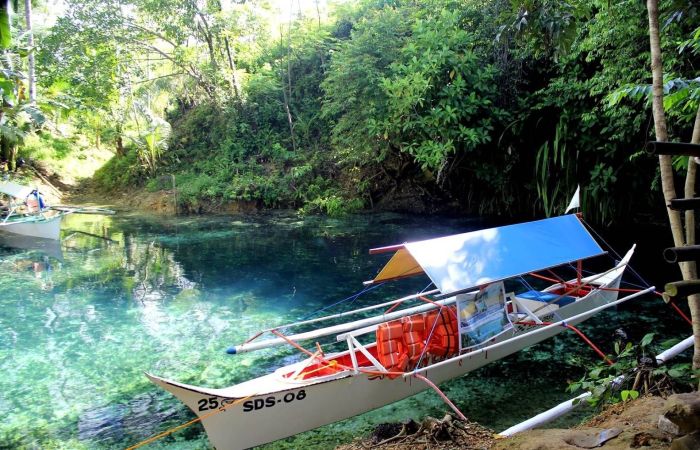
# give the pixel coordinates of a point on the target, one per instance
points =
(354, 311)
(337, 329)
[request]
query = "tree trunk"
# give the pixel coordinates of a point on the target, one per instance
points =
(285, 94)
(5, 150)
(318, 14)
(12, 161)
(5, 25)
(691, 267)
(232, 66)
(31, 79)
(120, 145)
(667, 183)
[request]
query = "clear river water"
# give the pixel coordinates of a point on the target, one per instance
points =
(82, 320)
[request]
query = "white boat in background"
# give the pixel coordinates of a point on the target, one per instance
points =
(466, 322)
(27, 215)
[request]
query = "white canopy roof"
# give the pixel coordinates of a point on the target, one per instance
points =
(464, 261)
(15, 190)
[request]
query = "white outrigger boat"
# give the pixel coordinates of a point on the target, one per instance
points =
(466, 322)
(26, 215)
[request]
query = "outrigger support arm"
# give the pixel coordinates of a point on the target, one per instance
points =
(569, 405)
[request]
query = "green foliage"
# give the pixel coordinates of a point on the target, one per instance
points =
(553, 192)
(151, 142)
(5, 28)
(634, 372)
(546, 27)
(354, 100)
(600, 132)
(332, 204)
(440, 96)
(120, 173)
(502, 106)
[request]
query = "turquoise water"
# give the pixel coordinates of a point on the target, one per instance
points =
(81, 322)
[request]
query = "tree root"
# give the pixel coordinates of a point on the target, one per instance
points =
(431, 433)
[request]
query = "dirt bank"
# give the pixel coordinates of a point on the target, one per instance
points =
(635, 424)
(157, 202)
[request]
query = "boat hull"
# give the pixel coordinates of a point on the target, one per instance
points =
(271, 407)
(45, 228)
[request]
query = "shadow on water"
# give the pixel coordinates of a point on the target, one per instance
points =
(168, 295)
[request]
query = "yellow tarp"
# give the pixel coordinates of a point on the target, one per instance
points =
(400, 265)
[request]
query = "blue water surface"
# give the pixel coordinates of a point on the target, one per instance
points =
(81, 321)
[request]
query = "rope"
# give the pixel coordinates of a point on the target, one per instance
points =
(612, 250)
(557, 277)
(680, 311)
(395, 305)
(627, 290)
(187, 424)
(335, 363)
(444, 397)
(337, 366)
(427, 340)
(352, 298)
(331, 365)
(577, 331)
(551, 280)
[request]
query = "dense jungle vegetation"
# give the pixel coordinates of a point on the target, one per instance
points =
(480, 106)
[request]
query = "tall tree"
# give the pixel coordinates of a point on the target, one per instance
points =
(680, 238)
(31, 80)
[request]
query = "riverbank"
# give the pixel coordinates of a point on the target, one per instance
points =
(163, 202)
(652, 423)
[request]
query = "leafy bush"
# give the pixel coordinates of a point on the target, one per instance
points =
(120, 172)
(633, 373)
(333, 204)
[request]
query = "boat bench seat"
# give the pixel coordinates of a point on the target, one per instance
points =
(546, 297)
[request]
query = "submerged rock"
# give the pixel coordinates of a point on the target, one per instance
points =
(102, 424)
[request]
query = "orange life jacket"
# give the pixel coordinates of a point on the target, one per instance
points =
(444, 339)
(391, 352)
(414, 336)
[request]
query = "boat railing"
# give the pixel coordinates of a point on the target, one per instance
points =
(11, 210)
(338, 329)
(353, 312)
(519, 307)
(606, 276)
(540, 330)
(354, 344)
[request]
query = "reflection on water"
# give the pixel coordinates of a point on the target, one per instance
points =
(79, 324)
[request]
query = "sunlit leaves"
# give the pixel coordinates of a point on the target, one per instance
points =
(427, 93)
(5, 26)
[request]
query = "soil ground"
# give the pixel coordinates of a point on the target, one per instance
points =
(634, 422)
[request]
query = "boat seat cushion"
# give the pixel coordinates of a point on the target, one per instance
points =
(546, 297)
